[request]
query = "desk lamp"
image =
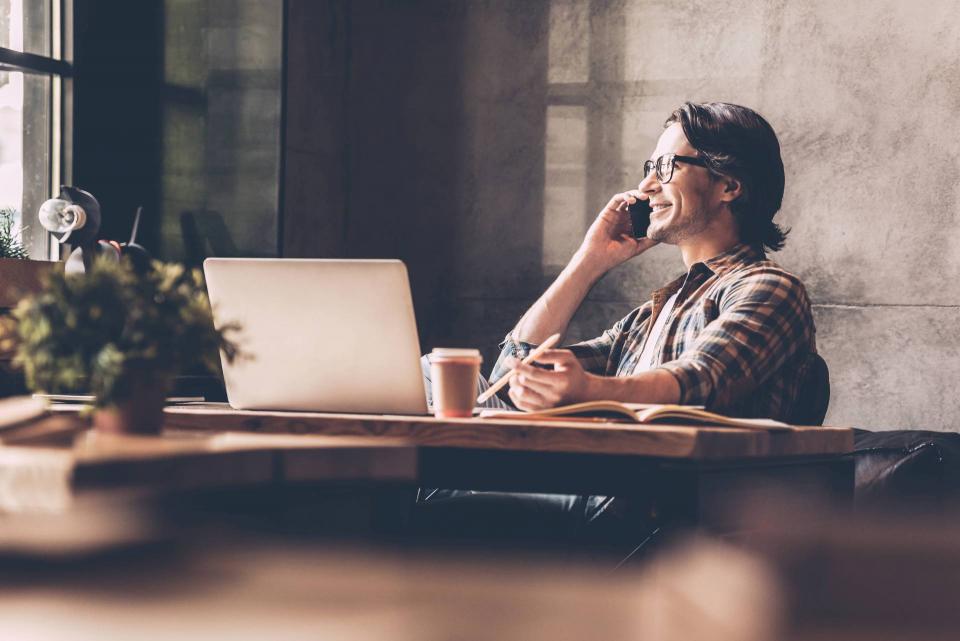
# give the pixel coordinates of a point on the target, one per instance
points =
(74, 217)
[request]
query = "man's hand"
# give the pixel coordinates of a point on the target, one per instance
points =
(609, 240)
(533, 388)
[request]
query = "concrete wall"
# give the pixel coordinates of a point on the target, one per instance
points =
(477, 140)
(221, 101)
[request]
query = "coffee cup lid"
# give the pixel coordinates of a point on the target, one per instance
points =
(455, 352)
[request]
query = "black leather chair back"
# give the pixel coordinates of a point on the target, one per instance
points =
(814, 398)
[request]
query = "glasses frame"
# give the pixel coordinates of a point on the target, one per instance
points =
(659, 164)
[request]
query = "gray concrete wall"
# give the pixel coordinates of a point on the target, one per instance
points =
(482, 136)
(221, 103)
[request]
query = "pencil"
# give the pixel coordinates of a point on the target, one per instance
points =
(544, 346)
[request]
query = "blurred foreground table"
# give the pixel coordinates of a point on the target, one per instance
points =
(272, 591)
(44, 478)
(849, 578)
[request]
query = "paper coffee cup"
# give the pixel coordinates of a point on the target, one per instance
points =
(454, 374)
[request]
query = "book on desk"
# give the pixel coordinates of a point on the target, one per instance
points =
(642, 413)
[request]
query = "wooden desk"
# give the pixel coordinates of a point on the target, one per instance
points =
(665, 441)
(693, 472)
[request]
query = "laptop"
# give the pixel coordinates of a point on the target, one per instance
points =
(319, 335)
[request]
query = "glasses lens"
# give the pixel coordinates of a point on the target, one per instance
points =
(647, 168)
(665, 168)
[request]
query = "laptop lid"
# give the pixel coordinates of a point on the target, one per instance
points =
(319, 335)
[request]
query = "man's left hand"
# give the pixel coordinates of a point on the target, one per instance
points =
(533, 388)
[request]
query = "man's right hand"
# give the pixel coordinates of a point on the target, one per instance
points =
(607, 244)
(609, 240)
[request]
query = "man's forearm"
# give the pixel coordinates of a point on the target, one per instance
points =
(553, 310)
(654, 386)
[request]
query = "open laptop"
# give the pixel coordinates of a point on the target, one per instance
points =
(319, 335)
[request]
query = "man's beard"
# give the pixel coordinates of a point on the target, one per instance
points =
(677, 231)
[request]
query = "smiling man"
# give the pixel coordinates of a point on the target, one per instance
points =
(734, 333)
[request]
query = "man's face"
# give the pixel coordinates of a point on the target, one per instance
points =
(685, 207)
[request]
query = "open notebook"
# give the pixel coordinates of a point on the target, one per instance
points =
(639, 413)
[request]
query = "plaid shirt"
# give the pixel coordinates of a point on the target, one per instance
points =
(738, 340)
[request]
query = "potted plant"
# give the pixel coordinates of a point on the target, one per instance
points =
(18, 274)
(120, 336)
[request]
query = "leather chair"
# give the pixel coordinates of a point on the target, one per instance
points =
(811, 407)
(901, 469)
(907, 469)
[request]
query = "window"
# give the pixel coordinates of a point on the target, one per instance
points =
(35, 108)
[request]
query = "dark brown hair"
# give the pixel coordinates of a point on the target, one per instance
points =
(737, 142)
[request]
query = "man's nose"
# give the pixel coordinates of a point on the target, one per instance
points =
(649, 183)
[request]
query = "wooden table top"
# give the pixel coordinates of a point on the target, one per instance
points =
(667, 441)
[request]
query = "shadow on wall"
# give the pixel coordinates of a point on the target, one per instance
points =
(409, 151)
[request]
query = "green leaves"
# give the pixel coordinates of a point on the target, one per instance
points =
(90, 332)
(10, 245)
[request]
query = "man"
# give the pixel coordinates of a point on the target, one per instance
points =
(734, 333)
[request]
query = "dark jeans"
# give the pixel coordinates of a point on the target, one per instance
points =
(596, 526)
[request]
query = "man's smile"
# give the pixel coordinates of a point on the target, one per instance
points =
(658, 207)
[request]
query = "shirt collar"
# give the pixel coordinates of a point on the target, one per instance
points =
(737, 255)
(740, 254)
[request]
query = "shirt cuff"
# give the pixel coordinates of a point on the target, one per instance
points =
(509, 347)
(695, 380)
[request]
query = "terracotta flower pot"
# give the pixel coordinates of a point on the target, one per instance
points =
(140, 413)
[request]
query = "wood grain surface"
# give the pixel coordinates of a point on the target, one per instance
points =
(671, 441)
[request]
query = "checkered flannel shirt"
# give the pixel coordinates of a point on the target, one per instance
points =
(738, 339)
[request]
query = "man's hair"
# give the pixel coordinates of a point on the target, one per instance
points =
(737, 142)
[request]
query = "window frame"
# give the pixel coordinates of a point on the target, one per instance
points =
(59, 67)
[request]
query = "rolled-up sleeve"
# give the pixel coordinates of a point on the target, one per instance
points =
(763, 320)
(594, 354)
(509, 347)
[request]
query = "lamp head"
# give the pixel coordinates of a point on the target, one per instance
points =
(73, 216)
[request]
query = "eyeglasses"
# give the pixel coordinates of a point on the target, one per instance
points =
(665, 164)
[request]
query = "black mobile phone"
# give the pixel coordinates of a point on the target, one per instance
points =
(640, 217)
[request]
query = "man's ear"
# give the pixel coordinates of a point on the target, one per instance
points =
(732, 189)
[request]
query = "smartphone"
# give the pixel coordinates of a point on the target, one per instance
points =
(640, 217)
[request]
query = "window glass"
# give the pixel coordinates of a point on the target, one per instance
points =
(25, 26)
(25, 151)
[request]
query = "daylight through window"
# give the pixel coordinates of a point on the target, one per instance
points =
(35, 77)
